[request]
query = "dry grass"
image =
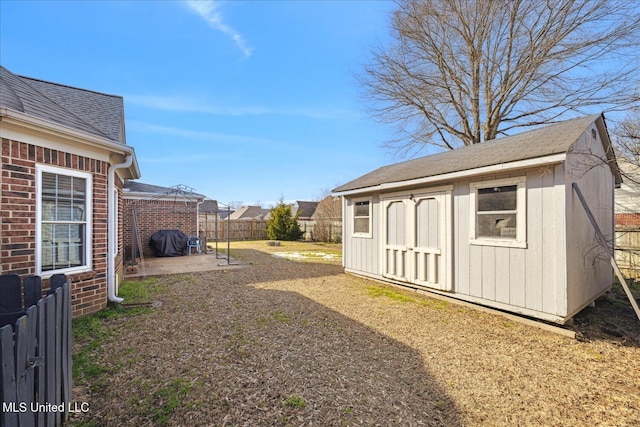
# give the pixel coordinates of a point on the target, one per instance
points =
(300, 343)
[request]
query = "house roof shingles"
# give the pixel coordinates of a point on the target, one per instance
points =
(91, 112)
(549, 140)
(306, 209)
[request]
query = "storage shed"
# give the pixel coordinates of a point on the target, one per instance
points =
(498, 223)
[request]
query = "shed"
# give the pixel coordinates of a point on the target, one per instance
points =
(496, 223)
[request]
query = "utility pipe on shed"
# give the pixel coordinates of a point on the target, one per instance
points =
(112, 234)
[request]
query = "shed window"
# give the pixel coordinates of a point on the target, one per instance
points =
(63, 220)
(362, 218)
(499, 212)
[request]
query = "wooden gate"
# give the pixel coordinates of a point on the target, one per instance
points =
(35, 370)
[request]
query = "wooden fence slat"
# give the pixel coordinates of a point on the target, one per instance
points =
(50, 355)
(58, 355)
(40, 355)
(8, 377)
(67, 359)
(25, 336)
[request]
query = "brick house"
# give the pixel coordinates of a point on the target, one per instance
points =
(158, 208)
(628, 195)
(64, 159)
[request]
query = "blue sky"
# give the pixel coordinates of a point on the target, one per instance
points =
(242, 101)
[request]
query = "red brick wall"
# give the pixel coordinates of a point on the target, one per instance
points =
(18, 214)
(628, 219)
(154, 215)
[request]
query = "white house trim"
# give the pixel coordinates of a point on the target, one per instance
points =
(88, 234)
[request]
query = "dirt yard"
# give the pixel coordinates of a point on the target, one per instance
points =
(286, 342)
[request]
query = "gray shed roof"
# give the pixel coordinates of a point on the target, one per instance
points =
(91, 112)
(553, 139)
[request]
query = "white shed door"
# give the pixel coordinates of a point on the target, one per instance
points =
(417, 236)
(395, 246)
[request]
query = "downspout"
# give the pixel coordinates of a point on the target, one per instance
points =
(113, 229)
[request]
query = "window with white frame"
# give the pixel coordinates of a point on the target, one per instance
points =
(498, 214)
(362, 218)
(64, 200)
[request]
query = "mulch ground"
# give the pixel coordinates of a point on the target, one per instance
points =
(284, 342)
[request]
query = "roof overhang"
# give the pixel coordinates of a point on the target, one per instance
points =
(609, 151)
(503, 167)
(117, 152)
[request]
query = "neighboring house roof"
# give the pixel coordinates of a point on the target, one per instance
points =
(91, 112)
(628, 195)
(140, 190)
(209, 206)
(305, 209)
(250, 212)
(329, 208)
(542, 142)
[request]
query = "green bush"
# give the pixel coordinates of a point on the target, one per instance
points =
(282, 224)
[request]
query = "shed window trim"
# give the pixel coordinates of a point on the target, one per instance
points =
(64, 202)
(362, 215)
(502, 211)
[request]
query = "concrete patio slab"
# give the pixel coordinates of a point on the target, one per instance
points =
(159, 266)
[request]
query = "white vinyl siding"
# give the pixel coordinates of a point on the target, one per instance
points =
(63, 225)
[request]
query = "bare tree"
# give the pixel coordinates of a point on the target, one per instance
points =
(459, 72)
(628, 138)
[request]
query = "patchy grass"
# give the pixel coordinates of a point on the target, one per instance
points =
(163, 402)
(292, 343)
(138, 291)
(393, 294)
(313, 251)
(295, 402)
(91, 332)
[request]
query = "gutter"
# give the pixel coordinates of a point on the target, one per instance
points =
(113, 229)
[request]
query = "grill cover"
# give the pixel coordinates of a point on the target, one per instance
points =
(165, 243)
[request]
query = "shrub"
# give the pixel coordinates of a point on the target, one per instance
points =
(282, 224)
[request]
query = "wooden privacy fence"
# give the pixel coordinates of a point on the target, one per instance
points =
(628, 251)
(322, 231)
(257, 230)
(36, 359)
(236, 229)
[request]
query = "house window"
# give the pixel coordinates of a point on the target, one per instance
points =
(499, 212)
(63, 220)
(362, 218)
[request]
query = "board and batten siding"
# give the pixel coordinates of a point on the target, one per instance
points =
(362, 254)
(530, 278)
(589, 273)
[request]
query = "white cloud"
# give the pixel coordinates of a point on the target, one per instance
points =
(187, 105)
(143, 127)
(209, 10)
